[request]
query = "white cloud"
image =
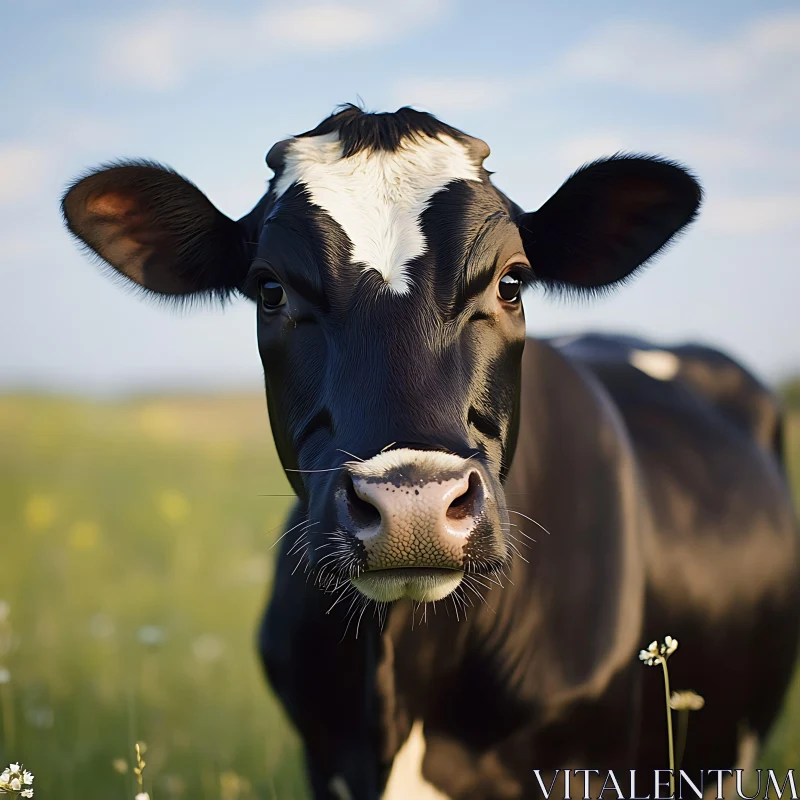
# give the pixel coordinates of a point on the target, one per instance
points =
(324, 27)
(578, 150)
(757, 66)
(711, 150)
(152, 51)
(700, 149)
(29, 165)
(161, 49)
(23, 169)
(747, 80)
(752, 215)
(64, 132)
(453, 93)
(649, 56)
(743, 146)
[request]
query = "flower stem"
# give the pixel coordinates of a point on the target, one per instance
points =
(7, 706)
(683, 730)
(669, 730)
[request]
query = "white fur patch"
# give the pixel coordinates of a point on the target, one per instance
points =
(405, 780)
(378, 197)
(659, 364)
(565, 341)
(431, 460)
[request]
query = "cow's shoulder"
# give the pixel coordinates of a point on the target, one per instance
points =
(687, 379)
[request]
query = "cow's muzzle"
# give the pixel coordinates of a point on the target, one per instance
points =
(419, 519)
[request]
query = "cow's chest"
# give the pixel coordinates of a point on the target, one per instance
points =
(406, 779)
(456, 708)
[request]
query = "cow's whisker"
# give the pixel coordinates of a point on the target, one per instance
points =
(363, 609)
(329, 469)
(530, 519)
(294, 527)
(357, 458)
(468, 584)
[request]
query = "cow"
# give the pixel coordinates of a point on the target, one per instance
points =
(488, 527)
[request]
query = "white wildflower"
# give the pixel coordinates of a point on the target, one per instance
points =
(686, 701)
(650, 656)
(142, 796)
(151, 635)
(657, 653)
(14, 778)
(670, 646)
(208, 647)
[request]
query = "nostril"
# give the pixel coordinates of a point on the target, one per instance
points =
(470, 502)
(361, 511)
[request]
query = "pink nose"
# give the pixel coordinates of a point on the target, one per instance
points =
(412, 517)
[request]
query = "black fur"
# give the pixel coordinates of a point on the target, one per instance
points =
(360, 131)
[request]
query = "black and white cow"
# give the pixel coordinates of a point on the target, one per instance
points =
(426, 635)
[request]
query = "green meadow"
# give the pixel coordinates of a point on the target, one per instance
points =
(135, 562)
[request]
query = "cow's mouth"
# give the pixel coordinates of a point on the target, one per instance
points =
(424, 584)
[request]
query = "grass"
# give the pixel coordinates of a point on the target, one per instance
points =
(135, 562)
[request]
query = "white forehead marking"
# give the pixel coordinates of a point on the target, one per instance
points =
(659, 364)
(378, 196)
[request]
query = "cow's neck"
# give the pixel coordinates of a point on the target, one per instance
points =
(574, 474)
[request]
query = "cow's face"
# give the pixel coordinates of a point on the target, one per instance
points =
(387, 273)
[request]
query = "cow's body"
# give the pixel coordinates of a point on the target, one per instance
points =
(668, 513)
(428, 443)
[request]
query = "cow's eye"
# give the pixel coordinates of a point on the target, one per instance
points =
(272, 295)
(509, 288)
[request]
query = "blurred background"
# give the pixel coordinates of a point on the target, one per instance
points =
(139, 490)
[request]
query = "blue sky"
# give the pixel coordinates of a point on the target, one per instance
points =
(208, 88)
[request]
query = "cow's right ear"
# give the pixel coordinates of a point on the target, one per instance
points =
(157, 229)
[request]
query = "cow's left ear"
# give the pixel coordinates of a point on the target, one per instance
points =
(157, 229)
(608, 219)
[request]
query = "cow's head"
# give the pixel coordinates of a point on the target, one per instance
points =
(386, 270)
